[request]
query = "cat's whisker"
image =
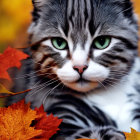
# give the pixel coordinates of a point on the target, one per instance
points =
(36, 86)
(109, 83)
(116, 79)
(115, 67)
(41, 88)
(119, 70)
(37, 83)
(102, 84)
(125, 10)
(27, 77)
(117, 73)
(50, 91)
(48, 82)
(112, 82)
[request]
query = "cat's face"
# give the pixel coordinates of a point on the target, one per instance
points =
(85, 43)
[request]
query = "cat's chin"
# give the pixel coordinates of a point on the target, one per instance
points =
(82, 87)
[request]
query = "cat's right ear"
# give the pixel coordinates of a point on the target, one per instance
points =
(38, 3)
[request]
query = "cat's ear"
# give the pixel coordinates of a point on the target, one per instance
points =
(38, 3)
(128, 8)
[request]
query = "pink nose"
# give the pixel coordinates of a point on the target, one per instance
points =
(80, 69)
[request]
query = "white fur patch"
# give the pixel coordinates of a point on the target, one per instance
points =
(96, 72)
(67, 73)
(79, 56)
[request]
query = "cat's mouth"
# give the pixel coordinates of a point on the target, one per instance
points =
(82, 81)
(82, 85)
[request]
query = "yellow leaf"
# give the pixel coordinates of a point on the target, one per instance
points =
(3, 90)
(134, 135)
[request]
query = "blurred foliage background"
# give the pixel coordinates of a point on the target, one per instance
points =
(15, 18)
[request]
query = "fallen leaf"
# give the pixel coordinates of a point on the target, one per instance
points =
(15, 122)
(51, 124)
(6, 93)
(4, 90)
(134, 135)
(10, 58)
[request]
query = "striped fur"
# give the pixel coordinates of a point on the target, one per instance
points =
(90, 103)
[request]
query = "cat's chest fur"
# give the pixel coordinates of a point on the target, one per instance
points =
(118, 103)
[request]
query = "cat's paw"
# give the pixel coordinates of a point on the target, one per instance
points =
(107, 133)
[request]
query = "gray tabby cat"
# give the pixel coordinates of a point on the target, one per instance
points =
(84, 67)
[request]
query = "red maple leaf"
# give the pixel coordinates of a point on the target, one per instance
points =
(10, 58)
(49, 124)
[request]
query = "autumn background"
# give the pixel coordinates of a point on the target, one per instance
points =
(15, 18)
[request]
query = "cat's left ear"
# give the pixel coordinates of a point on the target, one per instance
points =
(38, 3)
(128, 8)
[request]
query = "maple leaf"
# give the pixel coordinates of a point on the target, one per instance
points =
(10, 58)
(51, 124)
(16, 123)
(134, 135)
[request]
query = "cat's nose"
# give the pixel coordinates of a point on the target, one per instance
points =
(80, 69)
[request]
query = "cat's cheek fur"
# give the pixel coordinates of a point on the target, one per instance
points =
(96, 72)
(67, 73)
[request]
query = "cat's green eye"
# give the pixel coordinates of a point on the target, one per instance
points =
(102, 42)
(59, 43)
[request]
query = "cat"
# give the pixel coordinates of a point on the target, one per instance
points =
(84, 67)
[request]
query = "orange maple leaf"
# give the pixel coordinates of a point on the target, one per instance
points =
(134, 135)
(10, 58)
(16, 120)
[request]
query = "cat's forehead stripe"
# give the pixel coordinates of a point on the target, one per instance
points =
(78, 13)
